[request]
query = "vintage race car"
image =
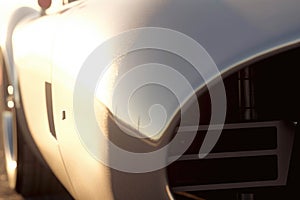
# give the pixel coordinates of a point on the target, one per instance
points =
(160, 99)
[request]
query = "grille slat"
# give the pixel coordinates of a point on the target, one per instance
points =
(246, 155)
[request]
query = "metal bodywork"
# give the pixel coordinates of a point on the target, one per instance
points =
(53, 48)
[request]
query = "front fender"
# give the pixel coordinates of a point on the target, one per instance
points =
(12, 14)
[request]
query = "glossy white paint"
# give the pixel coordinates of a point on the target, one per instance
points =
(33, 46)
(216, 25)
(53, 48)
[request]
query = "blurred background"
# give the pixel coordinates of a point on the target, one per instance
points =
(5, 192)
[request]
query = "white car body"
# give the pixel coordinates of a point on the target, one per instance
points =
(53, 48)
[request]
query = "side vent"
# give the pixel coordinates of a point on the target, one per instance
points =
(48, 89)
